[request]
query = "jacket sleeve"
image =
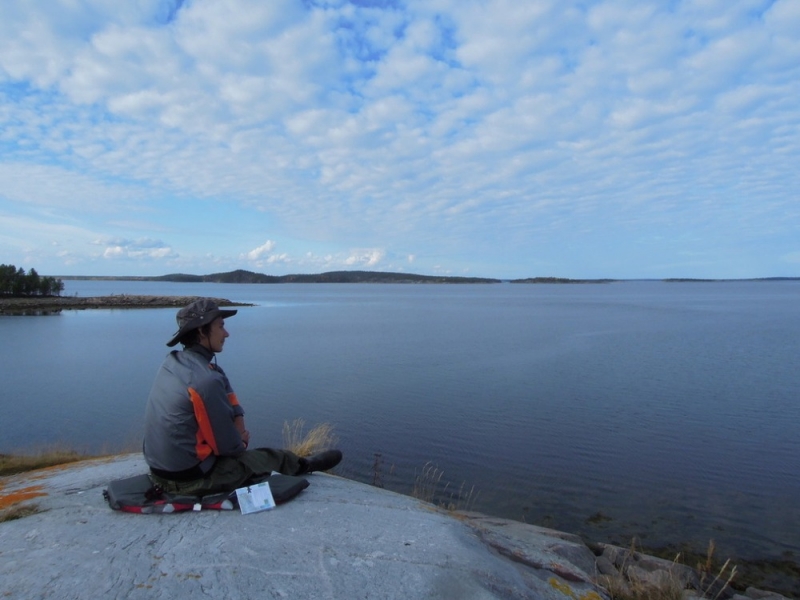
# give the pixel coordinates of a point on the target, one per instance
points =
(214, 412)
(238, 411)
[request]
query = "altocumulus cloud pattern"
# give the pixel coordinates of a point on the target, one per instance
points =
(498, 138)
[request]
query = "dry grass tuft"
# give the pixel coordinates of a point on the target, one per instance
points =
(630, 585)
(51, 455)
(18, 512)
(667, 585)
(427, 488)
(11, 464)
(634, 588)
(318, 439)
(426, 483)
(720, 581)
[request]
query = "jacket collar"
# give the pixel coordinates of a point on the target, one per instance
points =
(202, 351)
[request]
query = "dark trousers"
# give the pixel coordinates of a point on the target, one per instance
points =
(231, 472)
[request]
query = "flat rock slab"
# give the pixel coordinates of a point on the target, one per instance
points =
(337, 539)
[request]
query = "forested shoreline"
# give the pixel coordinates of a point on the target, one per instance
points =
(16, 282)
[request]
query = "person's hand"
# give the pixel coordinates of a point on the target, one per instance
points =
(245, 438)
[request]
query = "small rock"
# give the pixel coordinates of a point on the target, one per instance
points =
(605, 566)
(616, 555)
(756, 594)
(659, 579)
(686, 575)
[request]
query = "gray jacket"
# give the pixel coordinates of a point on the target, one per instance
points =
(188, 421)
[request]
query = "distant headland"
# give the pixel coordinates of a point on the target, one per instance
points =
(51, 305)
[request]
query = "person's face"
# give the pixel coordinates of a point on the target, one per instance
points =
(216, 335)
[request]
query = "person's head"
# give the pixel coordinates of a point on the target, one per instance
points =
(202, 322)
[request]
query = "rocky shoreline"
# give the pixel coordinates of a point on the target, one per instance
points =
(55, 304)
(338, 539)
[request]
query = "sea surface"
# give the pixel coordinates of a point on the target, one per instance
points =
(667, 412)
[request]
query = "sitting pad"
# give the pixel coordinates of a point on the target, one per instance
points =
(139, 494)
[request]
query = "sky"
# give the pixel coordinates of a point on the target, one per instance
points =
(493, 138)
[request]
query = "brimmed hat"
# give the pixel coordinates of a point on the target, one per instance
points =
(198, 313)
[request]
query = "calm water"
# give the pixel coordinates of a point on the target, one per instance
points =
(671, 409)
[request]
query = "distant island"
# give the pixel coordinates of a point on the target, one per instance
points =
(244, 276)
(561, 280)
(691, 280)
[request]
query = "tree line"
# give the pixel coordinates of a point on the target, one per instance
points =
(16, 282)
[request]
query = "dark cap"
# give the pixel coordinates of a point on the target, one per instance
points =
(198, 313)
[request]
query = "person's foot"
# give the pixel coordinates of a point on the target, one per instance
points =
(320, 462)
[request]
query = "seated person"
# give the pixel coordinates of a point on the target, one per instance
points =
(195, 439)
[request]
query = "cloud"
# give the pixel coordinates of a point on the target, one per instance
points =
(279, 258)
(141, 249)
(367, 258)
(59, 188)
(267, 259)
(257, 253)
